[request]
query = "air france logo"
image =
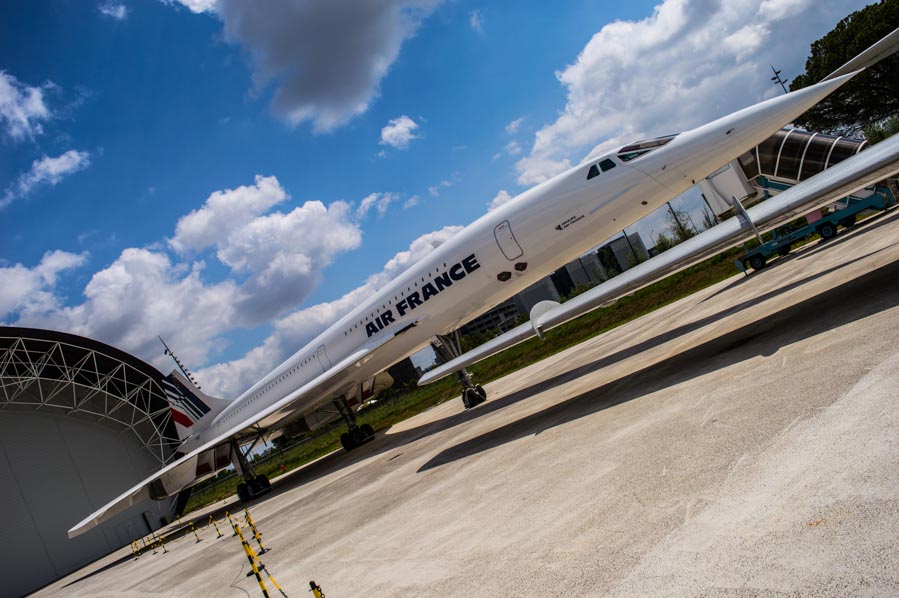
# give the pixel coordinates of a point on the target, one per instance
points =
(430, 289)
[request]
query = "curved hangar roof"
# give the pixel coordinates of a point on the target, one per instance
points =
(84, 378)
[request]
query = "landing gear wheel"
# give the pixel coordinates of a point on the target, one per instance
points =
(757, 262)
(243, 492)
(346, 440)
(827, 231)
(262, 481)
(473, 396)
(480, 393)
(367, 431)
(357, 437)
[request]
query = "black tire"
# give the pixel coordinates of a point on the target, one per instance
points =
(827, 231)
(466, 399)
(480, 393)
(263, 482)
(848, 221)
(243, 492)
(367, 431)
(357, 436)
(757, 261)
(347, 441)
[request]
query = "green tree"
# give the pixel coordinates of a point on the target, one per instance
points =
(869, 98)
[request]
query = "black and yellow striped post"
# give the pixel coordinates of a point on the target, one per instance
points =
(194, 530)
(254, 562)
(216, 525)
(231, 522)
(256, 535)
(135, 549)
(316, 589)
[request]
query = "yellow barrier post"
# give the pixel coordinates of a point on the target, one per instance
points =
(216, 525)
(162, 543)
(135, 549)
(256, 535)
(316, 589)
(194, 530)
(231, 521)
(252, 558)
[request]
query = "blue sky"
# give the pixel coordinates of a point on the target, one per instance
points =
(234, 178)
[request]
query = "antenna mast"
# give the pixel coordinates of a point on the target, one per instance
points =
(776, 78)
(180, 365)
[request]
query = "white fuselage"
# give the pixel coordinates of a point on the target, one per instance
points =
(505, 251)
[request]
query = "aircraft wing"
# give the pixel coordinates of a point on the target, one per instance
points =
(323, 384)
(875, 164)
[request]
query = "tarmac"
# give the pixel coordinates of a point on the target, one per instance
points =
(741, 441)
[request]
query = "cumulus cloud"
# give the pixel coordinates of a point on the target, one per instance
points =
(195, 6)
(379, 201)
(298, 328)
(282, 254)
(273, 261)
(22, 108)
(501, 198)
(325, 59)
(113, 10)
(31, 289)
(411, 202)
(46, 171)
(687, 63)
(399, 132)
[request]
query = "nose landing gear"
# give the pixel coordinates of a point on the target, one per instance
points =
(355, 436)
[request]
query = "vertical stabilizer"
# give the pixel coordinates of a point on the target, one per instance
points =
(191, 408)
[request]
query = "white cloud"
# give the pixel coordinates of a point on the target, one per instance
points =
(379, 201)
(411, 202)
(476, 21)
(22, 108)
(512, 148)
(513, 126)
(687, 63)
(435, 190)
(195, 6)
(399, 132)
(113, 10)
(325, 59)
(46, 171)
(501, 198)
(31, 289)
(298, 328)
(282, 254)
(275, 260)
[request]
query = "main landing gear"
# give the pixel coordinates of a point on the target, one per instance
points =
(253, 485)
(447, 348)
(355, 436)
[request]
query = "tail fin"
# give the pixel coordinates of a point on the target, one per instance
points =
(192, 409)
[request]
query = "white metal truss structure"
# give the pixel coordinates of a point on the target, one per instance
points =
(62, 373)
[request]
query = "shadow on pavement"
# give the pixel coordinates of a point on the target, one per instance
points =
(859, 298)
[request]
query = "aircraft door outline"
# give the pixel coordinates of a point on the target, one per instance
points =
(506, 240)
(322, 357)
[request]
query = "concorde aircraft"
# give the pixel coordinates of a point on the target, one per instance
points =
(495, 257)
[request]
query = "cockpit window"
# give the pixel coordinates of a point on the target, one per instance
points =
(635, 150)
(594, 171)
(607, 164)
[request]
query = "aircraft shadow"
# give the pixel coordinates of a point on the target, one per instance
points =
(862, 297)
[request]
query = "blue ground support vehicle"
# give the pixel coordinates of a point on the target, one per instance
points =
(844, 214)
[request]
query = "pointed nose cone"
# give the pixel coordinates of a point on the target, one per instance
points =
(696, 153)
